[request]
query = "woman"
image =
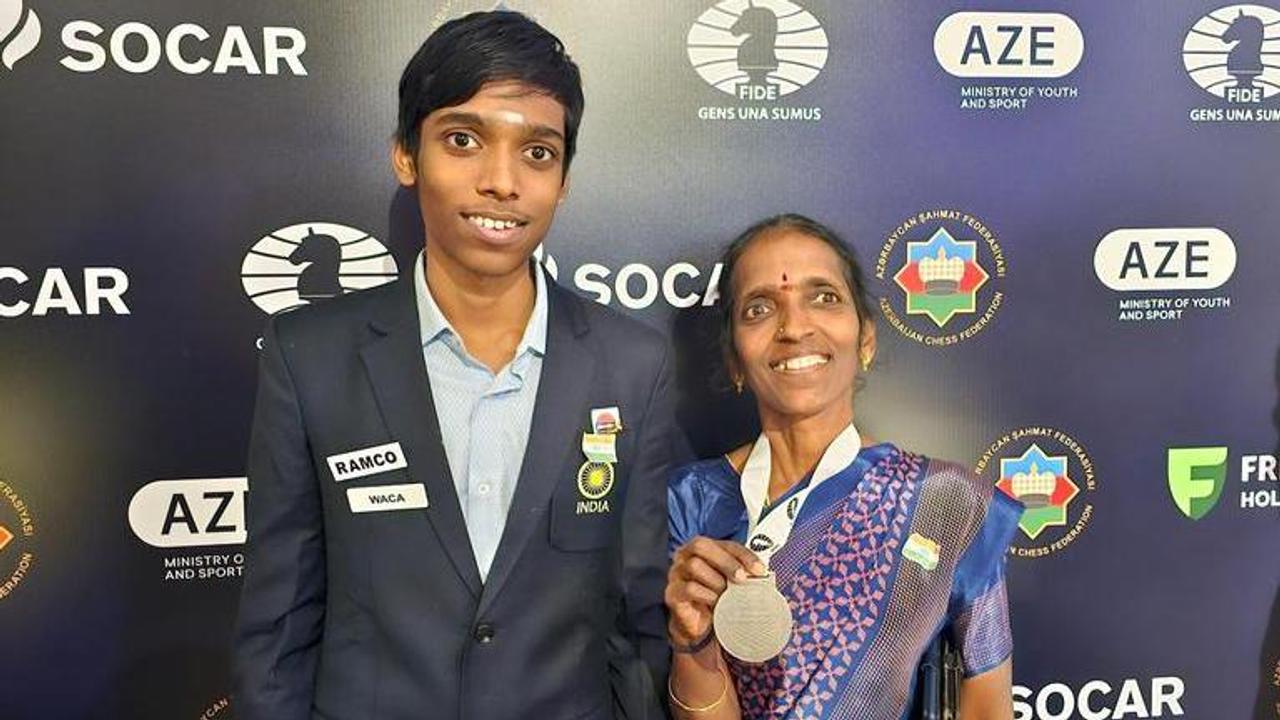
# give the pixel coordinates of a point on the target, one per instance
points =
(877, 550)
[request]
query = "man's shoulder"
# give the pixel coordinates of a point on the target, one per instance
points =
(339, 318)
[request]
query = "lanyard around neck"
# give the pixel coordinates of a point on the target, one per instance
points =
(766, 536)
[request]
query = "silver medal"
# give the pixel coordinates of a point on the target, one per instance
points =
(752, 620)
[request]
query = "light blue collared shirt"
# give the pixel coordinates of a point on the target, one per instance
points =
(484, 416)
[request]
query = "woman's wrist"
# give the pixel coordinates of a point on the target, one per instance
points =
(681, 644)
(694, 709)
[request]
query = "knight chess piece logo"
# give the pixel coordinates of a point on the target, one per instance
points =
(757, 50)
(943, 267)
(303, 263)
(19, 32)
(1050, 473)
(1231, 53)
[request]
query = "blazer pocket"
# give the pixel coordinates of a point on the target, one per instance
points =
(580, 523)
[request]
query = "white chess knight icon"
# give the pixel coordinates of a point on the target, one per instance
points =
(19, 32)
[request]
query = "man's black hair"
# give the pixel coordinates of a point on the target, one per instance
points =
(464, 54)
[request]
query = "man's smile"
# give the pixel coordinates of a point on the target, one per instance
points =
(497, 227)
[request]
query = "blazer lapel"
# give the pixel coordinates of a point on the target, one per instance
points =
(555, 435)
(398, 374)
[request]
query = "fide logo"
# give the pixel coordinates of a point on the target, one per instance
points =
(312, 261)
(1231, 53)
(757, 50)
(19, 32)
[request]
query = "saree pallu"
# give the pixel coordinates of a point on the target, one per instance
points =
(883, 556)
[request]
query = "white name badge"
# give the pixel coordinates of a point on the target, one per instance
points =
(380, 498)
(366, 461)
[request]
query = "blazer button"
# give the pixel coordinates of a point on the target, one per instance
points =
(483, 633)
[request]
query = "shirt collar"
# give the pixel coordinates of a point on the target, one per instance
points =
(433, 324)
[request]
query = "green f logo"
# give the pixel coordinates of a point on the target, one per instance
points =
(1196, 477)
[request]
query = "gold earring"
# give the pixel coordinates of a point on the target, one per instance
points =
(738, 384)
(866, 363)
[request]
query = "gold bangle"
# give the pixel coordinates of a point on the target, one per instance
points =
(724, 692)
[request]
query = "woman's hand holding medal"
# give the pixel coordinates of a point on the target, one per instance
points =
(700, 572)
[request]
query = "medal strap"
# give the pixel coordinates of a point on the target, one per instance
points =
(767, 535)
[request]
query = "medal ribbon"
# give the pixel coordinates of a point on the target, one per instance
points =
(766, 537)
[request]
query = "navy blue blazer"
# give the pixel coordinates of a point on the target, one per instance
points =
(382, 615)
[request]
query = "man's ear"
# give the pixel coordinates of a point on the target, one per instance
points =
(564, 190)
(404, 164)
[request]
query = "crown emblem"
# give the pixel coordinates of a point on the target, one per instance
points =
(941, 274)
(941, 277)
(1035, 487)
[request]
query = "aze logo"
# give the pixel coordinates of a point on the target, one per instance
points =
(1196, 478)
(1008, 45)
(190, 513)
(1165, 259)
(1184, 261)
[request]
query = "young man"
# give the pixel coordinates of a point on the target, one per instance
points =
(457, 503)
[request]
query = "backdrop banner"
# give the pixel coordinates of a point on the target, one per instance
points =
(1066, 212)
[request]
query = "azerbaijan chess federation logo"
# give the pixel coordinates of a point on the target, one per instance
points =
(1053, 477)
(17, 539)
(942, 270)
(1196, 478)
(1042, 484)
(757, 49)
(313, 261)
(1234, 53)
(941, 277)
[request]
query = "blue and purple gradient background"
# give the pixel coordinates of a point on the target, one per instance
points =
(174, 177)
